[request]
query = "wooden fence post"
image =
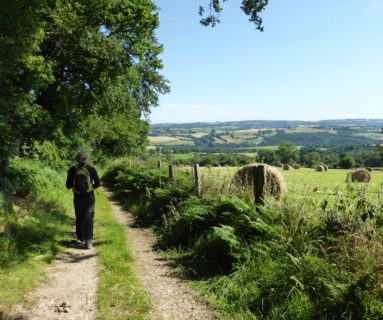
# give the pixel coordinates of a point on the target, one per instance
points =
(159, 164)
(260, 184)
(348, 177)
(197, 179)
(171, 173)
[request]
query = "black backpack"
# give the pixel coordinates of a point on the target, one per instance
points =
(82, 183)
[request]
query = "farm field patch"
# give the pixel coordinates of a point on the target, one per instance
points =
(305, 183)
(183, 156)
(199, 134)
(167, 140)
(308, 130)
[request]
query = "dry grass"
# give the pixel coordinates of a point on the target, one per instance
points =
(320, 168)
(161, 139)
(361, 175)
(276, 185)
(199, 134)
(308, 130)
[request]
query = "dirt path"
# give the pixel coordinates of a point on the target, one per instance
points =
(69, 292)
(173, 299)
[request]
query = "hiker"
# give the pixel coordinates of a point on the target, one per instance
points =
(83, 178)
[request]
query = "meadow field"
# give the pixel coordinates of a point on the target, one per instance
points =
(303, 185)
(305, 177)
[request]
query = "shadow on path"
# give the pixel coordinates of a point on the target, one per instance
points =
(4, 316)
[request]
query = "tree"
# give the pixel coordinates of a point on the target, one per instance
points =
(287, 152)
(78, 71)
(251, 8)
(379, 150)
(267, 156)
(346, 162)
(311, 158)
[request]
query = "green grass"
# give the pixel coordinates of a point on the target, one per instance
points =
(120, 294)
(305, 184)
(30, 240)
(183, 156)
(259, 148)
(307, 181)
(16, 283)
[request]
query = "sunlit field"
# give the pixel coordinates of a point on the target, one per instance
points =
(302, 184)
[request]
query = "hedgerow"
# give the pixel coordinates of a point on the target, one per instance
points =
(283, 260)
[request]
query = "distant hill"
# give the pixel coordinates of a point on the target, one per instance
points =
(254, 124)
(244, 136)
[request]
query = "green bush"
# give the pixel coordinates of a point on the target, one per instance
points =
(195, 217)
(150, 189)
(215, 252)
(36, 226)
(29, 177)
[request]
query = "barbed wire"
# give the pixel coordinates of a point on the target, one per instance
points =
(336, 188)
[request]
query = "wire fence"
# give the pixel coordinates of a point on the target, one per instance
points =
(336, 188)
(222, 182)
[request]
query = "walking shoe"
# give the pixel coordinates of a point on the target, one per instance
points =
(88, 244)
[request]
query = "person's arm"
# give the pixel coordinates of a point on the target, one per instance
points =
(69, 179)
(95, 178)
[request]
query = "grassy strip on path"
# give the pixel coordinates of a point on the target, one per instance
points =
(30, 240)
(120, 294)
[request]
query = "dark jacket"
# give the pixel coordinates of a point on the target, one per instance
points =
(92, 172)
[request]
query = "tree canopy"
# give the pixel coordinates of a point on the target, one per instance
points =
(252, 8)
(78, 71)
(287, 152)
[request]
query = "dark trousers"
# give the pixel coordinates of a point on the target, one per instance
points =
(84, 211)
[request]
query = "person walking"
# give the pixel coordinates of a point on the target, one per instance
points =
(83, 179)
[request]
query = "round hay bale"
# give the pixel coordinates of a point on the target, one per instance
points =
(208, 166)
(361, 175)
(296, 166)
(286, 167)
(276, 185)
(319, 168)
(325, 167)
(369, 169)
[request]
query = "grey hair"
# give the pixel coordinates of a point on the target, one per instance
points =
(82, 156)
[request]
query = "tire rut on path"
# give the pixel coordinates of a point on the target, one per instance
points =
(69, 292)
(173, 299)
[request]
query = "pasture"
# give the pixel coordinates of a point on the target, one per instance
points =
(332, 179)
(305, 186)
(167, 140)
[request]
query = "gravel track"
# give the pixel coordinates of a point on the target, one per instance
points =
(173, 298)
(69, 293)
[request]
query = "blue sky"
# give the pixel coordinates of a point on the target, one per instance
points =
(315, 60)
